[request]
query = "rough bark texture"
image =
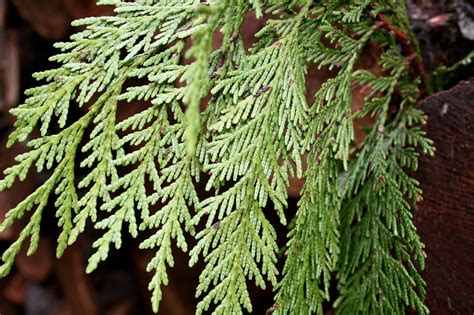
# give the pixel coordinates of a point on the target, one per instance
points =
(445, 218)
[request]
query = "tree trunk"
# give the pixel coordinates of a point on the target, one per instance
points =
(445, 218)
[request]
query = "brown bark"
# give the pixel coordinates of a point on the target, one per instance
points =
(445, 218)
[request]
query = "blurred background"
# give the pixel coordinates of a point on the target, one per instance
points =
(40, 284)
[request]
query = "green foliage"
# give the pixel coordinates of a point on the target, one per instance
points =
(379, 244)
(353, 219)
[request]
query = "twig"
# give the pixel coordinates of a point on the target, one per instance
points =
(412, 56)
(404, 39)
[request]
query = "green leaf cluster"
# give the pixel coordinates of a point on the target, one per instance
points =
(353, 225)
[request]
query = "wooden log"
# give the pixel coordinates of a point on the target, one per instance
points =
(445, 219)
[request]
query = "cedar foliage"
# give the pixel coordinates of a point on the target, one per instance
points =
(353, 223)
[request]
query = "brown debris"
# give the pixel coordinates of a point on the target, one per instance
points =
(443, 29)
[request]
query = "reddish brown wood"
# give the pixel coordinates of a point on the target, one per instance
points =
(46, 16)
(52, 18)
(11, 71)
(445, 219)
(178, 295)
(9, 67)
(3, 13)
(10, 198)
(39, 266)
(75, 283)
(15, 290)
